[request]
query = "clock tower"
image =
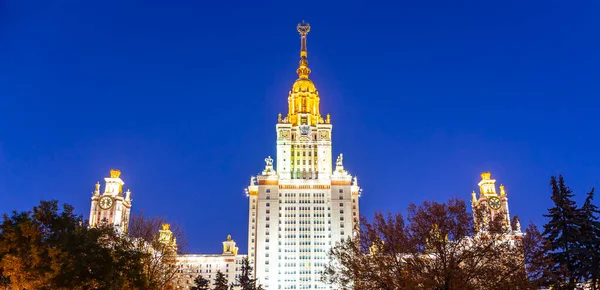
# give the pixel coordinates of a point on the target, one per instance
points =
(111, 207)
(491, 204)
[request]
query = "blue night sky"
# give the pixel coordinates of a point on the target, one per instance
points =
(183, 97)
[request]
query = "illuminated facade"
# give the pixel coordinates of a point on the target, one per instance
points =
(111, 207)
(492, 204)
(192, 265)
(301, 208)
(300, 205)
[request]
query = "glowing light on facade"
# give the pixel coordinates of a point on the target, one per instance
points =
(303, 207)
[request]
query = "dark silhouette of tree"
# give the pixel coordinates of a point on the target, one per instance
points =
(220, 282)
(375, 259)
(450, 253)
(200, 283)
(245, 280)
(47, 248)
(563, 233)
(436, 247)
(537, 259)
(589, 251)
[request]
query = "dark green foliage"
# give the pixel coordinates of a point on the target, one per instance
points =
(589, 250)
(220, 282)
(201, 283)
(51, 249)
(245, 280)
(563, 234)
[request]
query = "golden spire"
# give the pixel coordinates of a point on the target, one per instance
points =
(303, 99)
(303, 71)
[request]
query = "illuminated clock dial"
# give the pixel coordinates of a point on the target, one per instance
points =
(324, 134)
(495, 203)
(284, 134)
(106, 202)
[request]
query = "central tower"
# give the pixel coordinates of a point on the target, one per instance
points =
(303, 137)
(299, 209)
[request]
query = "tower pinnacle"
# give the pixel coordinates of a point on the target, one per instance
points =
(303, 71)
(303, 100)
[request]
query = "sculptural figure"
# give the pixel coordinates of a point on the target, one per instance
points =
(269, 161)
(340, 160)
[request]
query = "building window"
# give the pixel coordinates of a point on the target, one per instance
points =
(268, 191)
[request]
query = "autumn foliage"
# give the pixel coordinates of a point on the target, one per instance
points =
(437, 246)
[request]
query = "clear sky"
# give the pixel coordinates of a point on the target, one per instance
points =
(183, 97)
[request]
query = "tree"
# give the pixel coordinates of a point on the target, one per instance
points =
(563, 233)
(537, 259)
(245, 280)
(51, 249)
(220, 281)
(375, 259)
(201, 283)
(160, 266)
(436, 247)
(589, 250)
(146, 227)
(450, 252)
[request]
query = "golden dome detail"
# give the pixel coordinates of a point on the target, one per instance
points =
(303, 99)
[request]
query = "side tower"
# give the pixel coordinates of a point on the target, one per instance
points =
(207, 265)
(166, 237)
(111, 207)
(302, 207)
(491, 204)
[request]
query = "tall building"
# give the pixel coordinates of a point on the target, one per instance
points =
(111, 207)
(491, 204)
(301, 208)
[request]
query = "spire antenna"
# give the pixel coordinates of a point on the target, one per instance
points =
(303, 71)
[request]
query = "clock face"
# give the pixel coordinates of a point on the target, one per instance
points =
(284, 134)
(106, 202)
(495, 203)
(324, 134)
